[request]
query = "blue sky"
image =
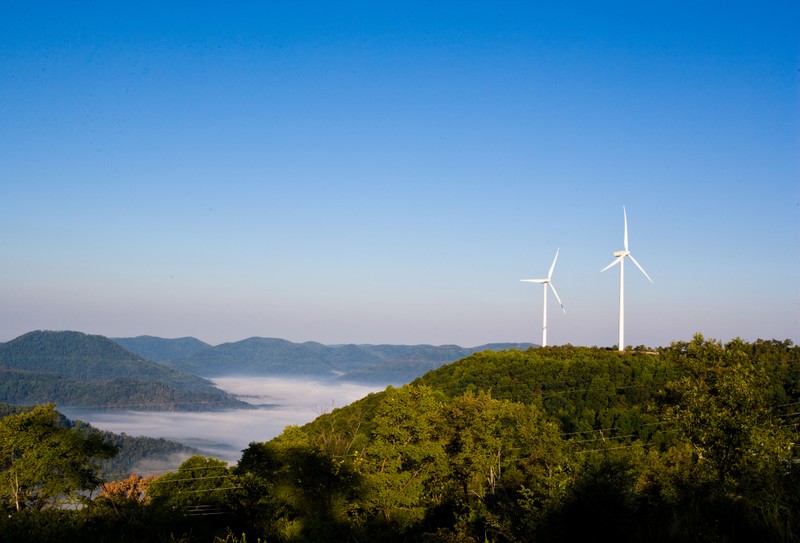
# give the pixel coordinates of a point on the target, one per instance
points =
(352, 172)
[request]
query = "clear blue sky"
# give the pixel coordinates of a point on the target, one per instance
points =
(351, 172)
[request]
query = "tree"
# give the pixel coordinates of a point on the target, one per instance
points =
(133, 488)
(199, 481)
(506, 466)
(724, 410)
(734, 456)
(43, 461)
(291, 488)
(403, 457)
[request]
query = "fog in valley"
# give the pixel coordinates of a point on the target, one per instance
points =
(224, 434)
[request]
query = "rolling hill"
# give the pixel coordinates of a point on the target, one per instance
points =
(81, 370)
(390, 364)
(697, 440)
(160, 349)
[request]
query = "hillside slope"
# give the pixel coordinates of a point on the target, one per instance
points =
(698, 441)
(76, 369)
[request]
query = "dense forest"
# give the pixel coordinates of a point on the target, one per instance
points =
(81, 370)
(692, 442)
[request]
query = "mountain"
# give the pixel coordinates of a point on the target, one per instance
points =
(160, 349)
(261, 356)
(76, 369)
(363, 363)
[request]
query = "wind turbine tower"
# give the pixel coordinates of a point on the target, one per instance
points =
(621, 261)
(545, 283)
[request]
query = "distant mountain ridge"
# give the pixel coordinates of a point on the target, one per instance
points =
(257, 356)
(159, 349)
(76, 369)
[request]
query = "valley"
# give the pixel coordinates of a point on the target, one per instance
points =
(277, 402)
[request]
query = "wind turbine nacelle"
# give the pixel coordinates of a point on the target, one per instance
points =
(620, 253)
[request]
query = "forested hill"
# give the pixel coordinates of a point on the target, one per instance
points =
(256, 356)
(695, 442)
(581, 388)
(76, 369)
(587, 389)
(82, 357)
(161, 349)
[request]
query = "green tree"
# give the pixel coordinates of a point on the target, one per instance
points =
(43, 462)
(291, 488)
(403, 458)
(506, 466)
(724, 410)
(200, 482)
(734, 463)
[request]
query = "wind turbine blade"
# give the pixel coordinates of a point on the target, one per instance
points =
(616, 261)
(540, 281)
(640, 267)
(552, 267)
(557, 298)
(625, 219)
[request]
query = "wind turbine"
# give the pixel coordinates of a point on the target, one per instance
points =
(544, 283)
(621, 261)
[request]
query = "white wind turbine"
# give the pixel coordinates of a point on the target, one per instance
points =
(546, 282)
(621, 261)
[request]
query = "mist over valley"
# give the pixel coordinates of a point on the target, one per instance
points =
(223, 434)
(215, 399)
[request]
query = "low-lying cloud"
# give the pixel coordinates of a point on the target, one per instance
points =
(225, 434)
